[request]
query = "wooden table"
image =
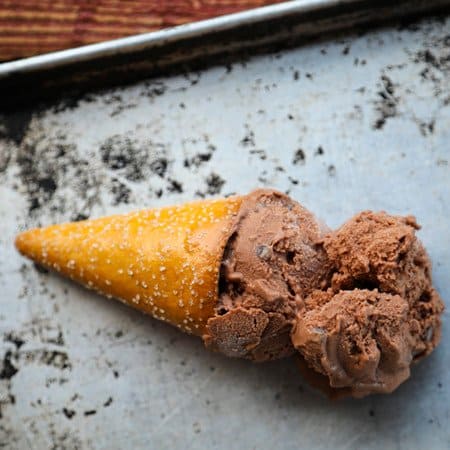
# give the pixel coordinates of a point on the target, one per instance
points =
(31, 27)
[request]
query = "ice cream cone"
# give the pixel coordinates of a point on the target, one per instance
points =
(164, 262)
(286, 283)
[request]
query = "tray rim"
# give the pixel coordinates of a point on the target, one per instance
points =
(11, 71)
(159, 38)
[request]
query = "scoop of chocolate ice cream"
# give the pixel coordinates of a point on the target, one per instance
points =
(272, 261)
(381, 311)
(380, 251)
(360, 339)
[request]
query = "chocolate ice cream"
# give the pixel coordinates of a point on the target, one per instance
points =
(360, 339)
(271, 262)
(380, 313)
(357, 304)
(379, 251)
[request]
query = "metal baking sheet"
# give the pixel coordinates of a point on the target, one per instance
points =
(199, 43)
(342, 125)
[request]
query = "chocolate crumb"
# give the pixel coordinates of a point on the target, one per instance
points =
(249, 139)
(159, 166)
(69, 413)
(175, 186)
(331, 170)
(387, 102)
(79, 217)
(18, 342)
(197, 428)
(261, 153)
(214, 184)
(121, 193)
(299, 157)
(57, 359)
(197, 160)
(8, 369)
(58, 340)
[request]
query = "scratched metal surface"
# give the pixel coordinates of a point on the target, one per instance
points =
(362, 122)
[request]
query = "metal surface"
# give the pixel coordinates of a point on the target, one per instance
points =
(356, 123)
(160, 38)
(127, 59)
(360, 10)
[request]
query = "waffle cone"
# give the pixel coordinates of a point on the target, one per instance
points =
(164, 262)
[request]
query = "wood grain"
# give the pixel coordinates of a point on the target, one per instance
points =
(31, 27)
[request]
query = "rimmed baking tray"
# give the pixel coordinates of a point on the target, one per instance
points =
(342, 124)
(201, 42)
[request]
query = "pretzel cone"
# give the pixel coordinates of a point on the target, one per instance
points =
(164, 262)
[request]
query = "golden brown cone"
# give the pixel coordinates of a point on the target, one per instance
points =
(164, 262)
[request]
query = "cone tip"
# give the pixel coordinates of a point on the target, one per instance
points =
(23, 242)
(19, 241)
